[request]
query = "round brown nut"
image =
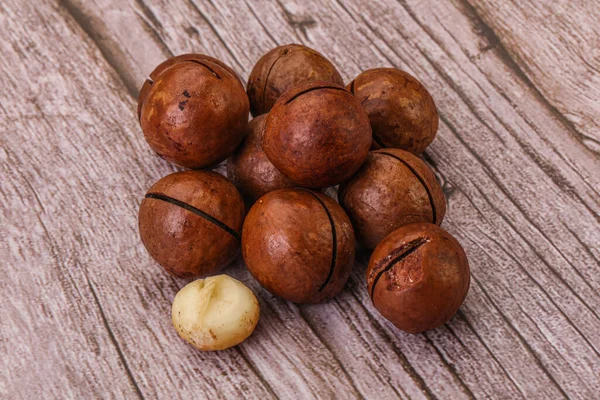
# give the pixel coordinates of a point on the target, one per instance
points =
(283, 68)
(392, 188)
(401, 110)
(418, 277)
(249, 168)
(195, 113)
(190, 222)
(172, 61)
(317, 134)
(299, 245)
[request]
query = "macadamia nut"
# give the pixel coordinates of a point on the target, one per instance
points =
(215, 313)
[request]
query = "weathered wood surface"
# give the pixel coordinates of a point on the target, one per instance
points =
(85, 311)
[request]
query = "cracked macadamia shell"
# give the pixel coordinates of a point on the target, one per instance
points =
(299, 245)
(418, 277)
(392, 188)
(317, 134)
(283, 68)
(170, 62)
(401, 110)
(195, 111)
(215, 313)
(190, 223)
(249, 168)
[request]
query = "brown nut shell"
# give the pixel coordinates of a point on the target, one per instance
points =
(283, 68)
(249, 168)
(392, 188)
(299, 245)
(418, 277)
(195, 113)
(190, 223)
(317, 134)
(172, 61)
(401, 110)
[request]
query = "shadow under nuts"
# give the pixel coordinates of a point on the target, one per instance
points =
(317, 134)
(299, 245)
(283, 68)
(392, 188)
(401, 110)
(249, 168)
(190, 223)
(418, 277)
(195, 111)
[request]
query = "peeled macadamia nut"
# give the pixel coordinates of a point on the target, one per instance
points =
(195, 113)
(249, 168)
(392, 188)
(215, 313)
(283, 68)
(317, 134)
(299, 245)
(190, 222)
(418, 277)
(401, 110)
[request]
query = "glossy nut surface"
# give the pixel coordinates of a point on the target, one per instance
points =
(392, 188)
(195, 113)
(401, 110)
(418, 277)
(190, 223)
(172, 61)
(283, 68)
(249, 168)
(317, 134)
(299, 245)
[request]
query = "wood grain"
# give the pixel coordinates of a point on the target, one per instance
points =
(86, 311)
(559, 56)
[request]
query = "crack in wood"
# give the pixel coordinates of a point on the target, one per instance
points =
(113, 340)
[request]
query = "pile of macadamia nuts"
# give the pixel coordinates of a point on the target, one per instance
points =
(309, 132)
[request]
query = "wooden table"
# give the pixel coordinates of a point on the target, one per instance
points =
(86, 313)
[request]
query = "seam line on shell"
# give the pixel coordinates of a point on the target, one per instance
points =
(194, 210)
(294, 97)
(431, 202)
(207, 67)
(264, 93)
(408, 249)
(334, 238)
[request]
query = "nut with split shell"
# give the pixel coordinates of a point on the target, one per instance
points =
(401, 110)
(391, 189)
(283, 68)
(194, 113)
(190, 222)
(299, 245)
(317, 134)
(418, 277)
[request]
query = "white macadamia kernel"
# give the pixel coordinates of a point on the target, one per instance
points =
(215, 313)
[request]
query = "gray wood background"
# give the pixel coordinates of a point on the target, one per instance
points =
(85, 311)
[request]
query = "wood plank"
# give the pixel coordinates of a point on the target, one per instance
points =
(83, 300)
(555, 44)
(521, 182)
